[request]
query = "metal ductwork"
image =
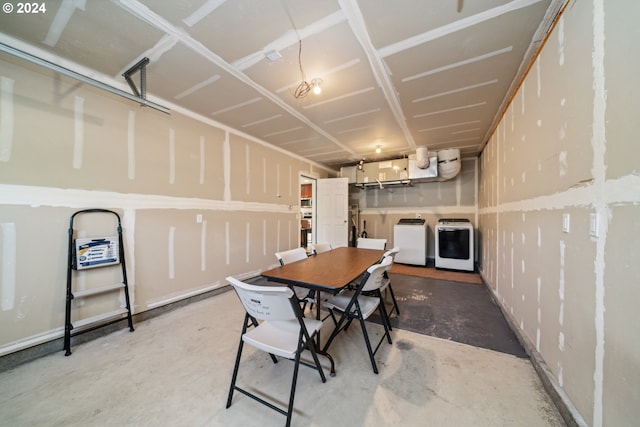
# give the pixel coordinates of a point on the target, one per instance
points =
(423, 166)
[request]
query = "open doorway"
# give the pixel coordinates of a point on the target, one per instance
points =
(307, 209)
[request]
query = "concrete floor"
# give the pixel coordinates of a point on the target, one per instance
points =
(174, 370)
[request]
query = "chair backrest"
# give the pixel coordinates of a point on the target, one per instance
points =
(391, 252)
(292, 255)
(265, 302)
(367, 243)
(373, 278)
(320, 247)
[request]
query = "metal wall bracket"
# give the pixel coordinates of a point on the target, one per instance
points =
(142, 67)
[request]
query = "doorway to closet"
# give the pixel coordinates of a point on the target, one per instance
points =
(307, 209)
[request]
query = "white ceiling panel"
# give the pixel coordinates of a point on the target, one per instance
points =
(395, 74)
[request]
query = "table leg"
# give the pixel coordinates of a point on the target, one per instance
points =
(319, 346)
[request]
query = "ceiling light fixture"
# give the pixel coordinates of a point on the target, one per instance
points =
(378, 149)
(315, 83)
(305, 87)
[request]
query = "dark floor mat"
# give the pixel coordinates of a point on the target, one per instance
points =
(455, 311)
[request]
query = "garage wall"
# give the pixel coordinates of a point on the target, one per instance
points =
(567, 150)
(198, 201)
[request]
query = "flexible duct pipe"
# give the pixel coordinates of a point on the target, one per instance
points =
(449, 163)
(422, 157)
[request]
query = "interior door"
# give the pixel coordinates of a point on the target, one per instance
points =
(332, 211)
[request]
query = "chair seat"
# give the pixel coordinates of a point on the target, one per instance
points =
(280, 337)
(340, 302)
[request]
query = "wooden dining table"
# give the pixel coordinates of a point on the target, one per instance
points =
(329, 271)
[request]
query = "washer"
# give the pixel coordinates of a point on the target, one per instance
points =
(454, 244)
(410, 235)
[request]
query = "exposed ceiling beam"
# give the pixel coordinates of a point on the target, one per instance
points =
(358, 26)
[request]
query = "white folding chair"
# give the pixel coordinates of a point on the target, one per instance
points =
(317, 248)
(354, 305)
(292, 255)
(386, 282)
(368, 243)
(282, 331)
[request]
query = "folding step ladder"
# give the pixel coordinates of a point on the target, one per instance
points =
(88, 253)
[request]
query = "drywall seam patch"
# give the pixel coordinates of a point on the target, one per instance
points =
(598, 143)
(264, 175)
(128, 229)
(203, 157)
(78, 131)
(247, 244)
(561, 40)
(8, 276)
(264, 237)
(278, 180)
(247, 168)
(6, 118)
(171, 252)
(25, 195)
(226, 153)
(60, 21)
(203, 246)
(172, 156)
(538, 289)
(203, 11)
(131, 145)
(290, 181)
(227, 242)
(538, 78)
(522, 105)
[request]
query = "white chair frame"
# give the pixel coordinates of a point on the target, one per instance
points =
(283, 331)
(354, 305)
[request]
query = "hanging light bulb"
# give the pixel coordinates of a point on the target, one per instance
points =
(378, 149)
(316, 86)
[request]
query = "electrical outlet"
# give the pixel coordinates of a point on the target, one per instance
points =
(565, 222)
(199, 218)
(594, 225)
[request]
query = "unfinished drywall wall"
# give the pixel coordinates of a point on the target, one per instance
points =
(559, 198)
(382, 208)
(198, 201)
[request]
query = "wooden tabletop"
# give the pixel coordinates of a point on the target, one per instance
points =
(328, 271)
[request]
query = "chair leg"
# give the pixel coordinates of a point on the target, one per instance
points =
(235, 373)
(384, 313)
(335, 332)
(393, 298)
(366, 340)
(312, 348)
(293, 387)
(385, 322)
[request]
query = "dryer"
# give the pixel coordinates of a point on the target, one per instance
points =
(454, 244)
